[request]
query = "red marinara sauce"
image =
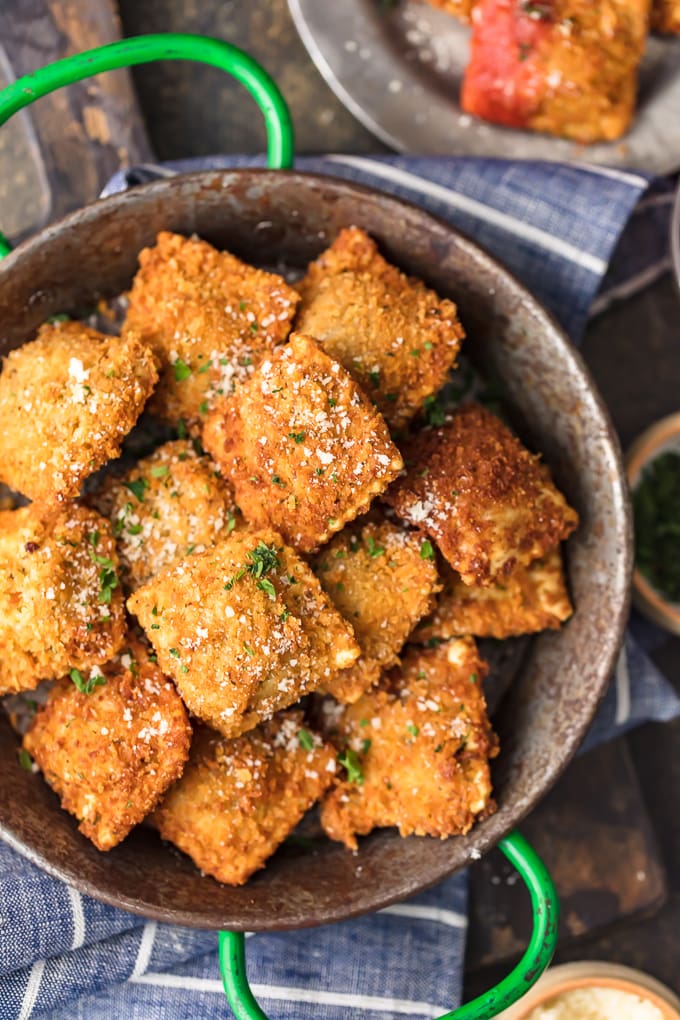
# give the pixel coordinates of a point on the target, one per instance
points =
(505, 78)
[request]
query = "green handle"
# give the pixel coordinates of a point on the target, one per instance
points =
(536, 958)
(144, 49)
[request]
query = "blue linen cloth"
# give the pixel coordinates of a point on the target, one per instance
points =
(63, 955)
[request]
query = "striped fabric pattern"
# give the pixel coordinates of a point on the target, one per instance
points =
(65, 956)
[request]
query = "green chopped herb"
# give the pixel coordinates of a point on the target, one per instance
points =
(248, 650)
(86, 686)
(25, 760)
(299, 437)
(278, 481)
(182, 429)
(413, 730)
(415, 353)
(266, 586)
(247, 360)
(334, 478)
(438, 748)
(392, 397)
(363, 722)
(138, 487)
(159, 470)
(426, 550)
(203, 407)
(473, 678)
(242, 305)
(231, 522)
(111, 374)
(174, 653)
(284, 615)
(332, 402)
(656, 501)
(366, 745)
(349, 759)
(181, 369)
(306, 740)
(204, 368)
(374, 550)
(428, 345)
(434, 642)
(434, 412)
(134, 529)
(190, 548)
(155, 626)
(374, 376)
(263, 558)
(320, 471)
(254, 327)
(154, 611)
(332, 521)
(421, 674)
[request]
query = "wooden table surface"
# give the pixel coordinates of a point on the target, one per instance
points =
(633, 349)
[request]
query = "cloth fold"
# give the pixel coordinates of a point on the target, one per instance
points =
(579, 237)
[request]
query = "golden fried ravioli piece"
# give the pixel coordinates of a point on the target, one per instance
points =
(416, 750)
(383, 580)
(168, 506)
(60, 603)
(239, 799)
(305, 450)
(67, 401)
(489, 504)
(110, 743)
(209, 317)
(531, 599)
(244, 629)
(394, 336)
(666, 16)
(461, 9)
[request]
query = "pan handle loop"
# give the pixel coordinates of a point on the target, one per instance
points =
(144, 49)
(539, 952)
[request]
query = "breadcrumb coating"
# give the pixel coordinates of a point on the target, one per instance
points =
(111, 748)
(210, 319)
(416, 750)
(60, 602)
(530, 599)
(666, 16)
(244, 629)
(382, 579)
(488, 503)
(168, 506)
(239, 799)
(395, 337)
(303, 447)
(67, 401)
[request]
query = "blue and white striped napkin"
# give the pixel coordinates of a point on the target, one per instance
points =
(67, 957)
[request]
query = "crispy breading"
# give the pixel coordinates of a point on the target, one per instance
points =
(530, 599)
(244, 629)
(209, 317)
(67, 401)
(60, 603)
(111, 753)
(383, 580)
(489, 504)
(416, 750)
(168, 506)
(461, 9)
(303, 447)
(394, 336)
(666, 16)
(239, 799)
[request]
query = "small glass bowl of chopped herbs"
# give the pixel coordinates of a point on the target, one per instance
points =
(653, 470)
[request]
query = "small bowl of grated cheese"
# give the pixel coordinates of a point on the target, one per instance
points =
(595, 991)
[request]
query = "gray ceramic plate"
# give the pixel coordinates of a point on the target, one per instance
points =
(398, 67)
(287, 219)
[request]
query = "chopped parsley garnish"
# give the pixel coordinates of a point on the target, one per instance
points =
(657, 530)
(254, 327)
(248, 650)
(204, 368)
(231, 522)
(306, 740)
(320, 471)
(108, 579)
(181, 369)
(415, 353)
(284, 615)
(392, 397)
(426, 550)
(413, 730)
(434, 642)
(203, 408)
(374, 550)
(349, 759)
(242, 305)
(159, 470)
(366, 745)
(182, 429)
(332, 402)
(138, 487)
(87, 686)
(174, 653)
(266, 586)
(263, 558)
(473, 678)
(374, 376)
(134, 529)
(278, 481)
(428, 345)
(299, 437)
(25, 760)
(434, 412)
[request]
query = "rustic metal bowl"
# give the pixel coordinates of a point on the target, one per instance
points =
(271, 217)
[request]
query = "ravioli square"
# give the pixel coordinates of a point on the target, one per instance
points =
(415, 750)
(395, 336)
(169, 505)
(210, 319)
(110, 743)
(530, 599)
(239, 799)
(488, 503)
(244, 629)
(382, 579)
(61, 605)
(304, 448)
(67, 401)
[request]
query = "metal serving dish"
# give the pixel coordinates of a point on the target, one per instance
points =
(287, 218)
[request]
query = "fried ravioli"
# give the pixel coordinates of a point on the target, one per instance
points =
(244, 629)
(303, 447)
(67, 401)
(209, 317)
(395, 337)
(488, 503)
(416, 750)
(110, 744)
(239, 799)
(666, 16)
(168, 506)
(531, 599)
(60, 603)
(383, 580)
